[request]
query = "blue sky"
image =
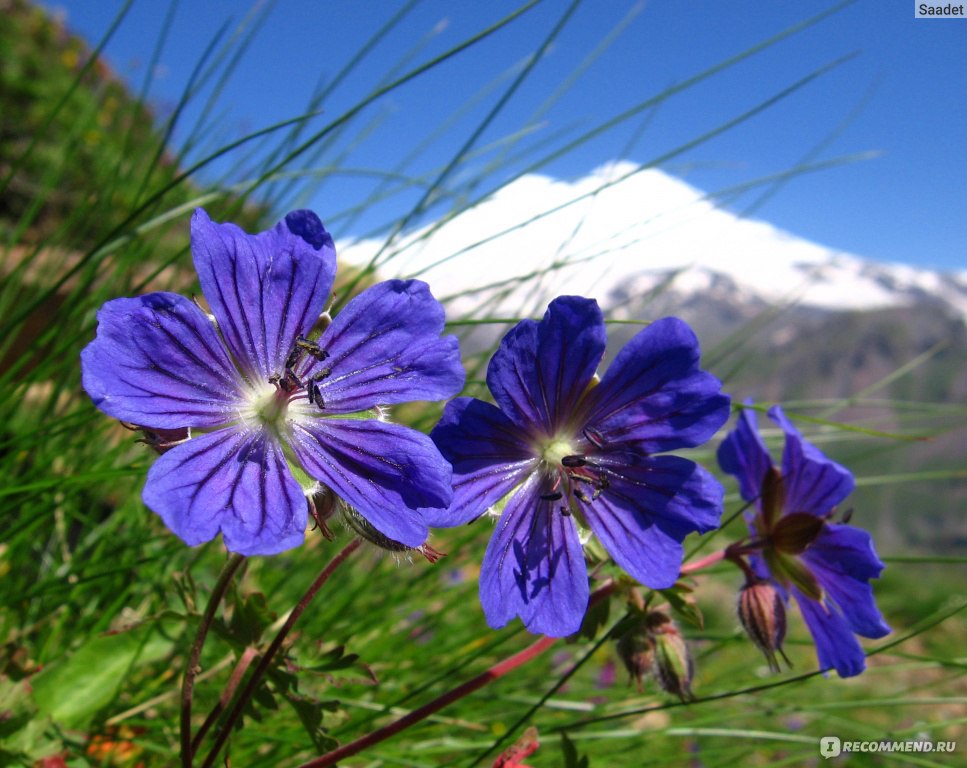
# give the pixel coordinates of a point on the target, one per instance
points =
(902, 96)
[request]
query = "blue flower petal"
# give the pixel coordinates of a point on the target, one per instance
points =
(836, 645)
(654, 397)
(541, 370)
(813, 482)
(158, 362)
(387, 472)
(489, 457)
(843, 560)
(744, 455)
(650, 505)
(235, 481)
(385, 347)
(534, 567)
(264, 289)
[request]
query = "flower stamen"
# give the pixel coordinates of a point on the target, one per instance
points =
(290, 382)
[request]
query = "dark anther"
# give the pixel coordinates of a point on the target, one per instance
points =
(288, 382)
(594, 437)
(847, 515)
(574, 461)
(565, 510)
(325, 373)
(312, 392)
(303, 344)
(551, 496)
(581, 495)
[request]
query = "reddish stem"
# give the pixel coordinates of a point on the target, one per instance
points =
(705, 562)
(266, 661)
(241, 667)
(494, 673)
(188, 683)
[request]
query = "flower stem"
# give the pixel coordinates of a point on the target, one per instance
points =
(241, 667)
(188, 683)
(705, 562)
(265, 662)
(494, 673)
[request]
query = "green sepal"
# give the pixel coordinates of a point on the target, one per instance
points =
(795, 532)
(789, 570)
(682, 602)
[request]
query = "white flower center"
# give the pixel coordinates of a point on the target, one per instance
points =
(554, 451)
(268, 408)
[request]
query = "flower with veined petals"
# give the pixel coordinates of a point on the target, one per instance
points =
(258, 396)
(825, 566)
(567, 450)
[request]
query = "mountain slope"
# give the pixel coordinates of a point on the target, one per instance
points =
(780, 318)
(619, 231)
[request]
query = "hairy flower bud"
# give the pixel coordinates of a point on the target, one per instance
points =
(763, 615)
(671, 661)
(160, 440)
(365, 530)
(635, 651)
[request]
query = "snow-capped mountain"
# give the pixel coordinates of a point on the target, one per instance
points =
(779, 318)
(619, 232)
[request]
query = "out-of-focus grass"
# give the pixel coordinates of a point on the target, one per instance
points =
(99, 601)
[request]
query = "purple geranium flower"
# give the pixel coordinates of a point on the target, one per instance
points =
(263, 401)
(572, 451)
(826, 566)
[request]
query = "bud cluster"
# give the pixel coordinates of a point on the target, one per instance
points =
(653, 644)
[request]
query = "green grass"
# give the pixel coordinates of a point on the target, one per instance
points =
(99, 602)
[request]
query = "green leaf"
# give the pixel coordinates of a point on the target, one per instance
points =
(335, 659)
(21, 727)
(595, 619)
(73, 689)
(310, 713)
(250, 619)
(683, 604)
(571, 757)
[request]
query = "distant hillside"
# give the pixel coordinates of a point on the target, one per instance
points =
(74, 139)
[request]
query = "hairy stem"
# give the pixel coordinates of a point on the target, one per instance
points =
(188, 683)
(266, 661)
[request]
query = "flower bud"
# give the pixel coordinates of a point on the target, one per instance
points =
(160, 440)
(671, 662)
(763, 615)
(365, 530)
(323, 504)
(635, 651)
